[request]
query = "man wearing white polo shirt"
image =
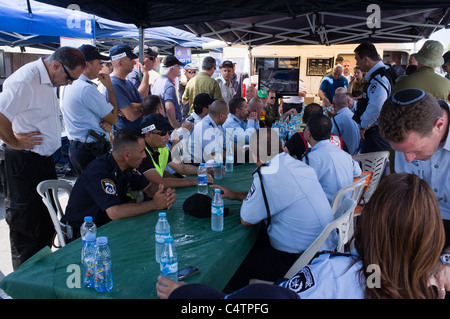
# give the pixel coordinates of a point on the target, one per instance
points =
(30, 127)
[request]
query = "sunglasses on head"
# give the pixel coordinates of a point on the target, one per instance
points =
(162, 133)
(68, 76)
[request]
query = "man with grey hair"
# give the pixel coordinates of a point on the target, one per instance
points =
(202, 83)
(329, 85)
(164, 87)
(344, 125)
(30, 127)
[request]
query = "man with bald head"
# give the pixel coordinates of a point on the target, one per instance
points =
(330, 83)
(208, 134)
(251, 93)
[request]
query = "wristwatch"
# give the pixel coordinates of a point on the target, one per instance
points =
(445, 258)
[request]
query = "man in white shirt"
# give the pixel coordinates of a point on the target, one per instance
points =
(224, 80)
(30, 126)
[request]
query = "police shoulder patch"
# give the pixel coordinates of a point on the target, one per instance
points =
(109, 187)
(373, 87)
(251, 191)
(301, 281)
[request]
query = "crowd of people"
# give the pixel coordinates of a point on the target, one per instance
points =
(129, 134)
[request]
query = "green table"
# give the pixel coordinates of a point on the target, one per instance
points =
(217, 254)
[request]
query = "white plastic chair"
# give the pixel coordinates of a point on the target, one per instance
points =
(375, 162)
(343, 223)
(50, 192)
(356, 188)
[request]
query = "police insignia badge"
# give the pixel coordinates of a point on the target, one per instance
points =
(302, 281)
(373, 87)
(108, 186)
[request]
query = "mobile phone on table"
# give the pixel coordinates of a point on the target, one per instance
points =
(187, 272)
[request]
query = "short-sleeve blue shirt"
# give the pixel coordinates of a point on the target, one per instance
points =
(165, 89)
(329, 85)
(126, 93)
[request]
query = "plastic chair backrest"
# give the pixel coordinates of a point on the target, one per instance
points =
(375, 162)
(342, 223)
(50, 191)
(356, 188)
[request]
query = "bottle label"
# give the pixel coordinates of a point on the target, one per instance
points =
(216, 210)
(159, 238)
(202, 179)
(230, 159)
(168, 268)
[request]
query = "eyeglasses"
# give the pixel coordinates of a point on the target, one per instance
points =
(162, 133)
(151, 58)
(191, 72)
(68, 76)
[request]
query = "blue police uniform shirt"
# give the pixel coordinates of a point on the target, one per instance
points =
(239, 129)
(298, 206)
(126, 93)
(83, 108)
(328, 276)
(334, 167)
(435, 171)
(347, 128)
(101, 186)
(329, 85)
(376, 94)
(205, 139)
(165, 89)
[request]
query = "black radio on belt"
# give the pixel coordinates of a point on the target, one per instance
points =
(100, 145)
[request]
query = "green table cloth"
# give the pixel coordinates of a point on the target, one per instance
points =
(217, 254)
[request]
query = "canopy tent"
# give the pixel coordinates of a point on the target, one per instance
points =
(281, 22)
(32, 23)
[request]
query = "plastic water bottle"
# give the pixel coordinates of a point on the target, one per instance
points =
(202, 187)
(217, 211)
(87, 227)
(88, 253)
(169, 260)
(162, 231)
(229, 158)
(103, 266)
(218, 164)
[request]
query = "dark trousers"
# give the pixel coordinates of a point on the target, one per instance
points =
(79, 156)
(30, 225)
(373, 141)
(262, 262)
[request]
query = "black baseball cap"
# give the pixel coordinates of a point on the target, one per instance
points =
(155, 121)
(226, 63)
(171, 60)
(120, 51)
(146, 50)
(92, 53)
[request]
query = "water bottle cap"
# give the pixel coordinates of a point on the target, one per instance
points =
(168, 239)
(102, 240)
(162, 214)
(89, 237)
(202, 164)
(216, 190)
(88, 218)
